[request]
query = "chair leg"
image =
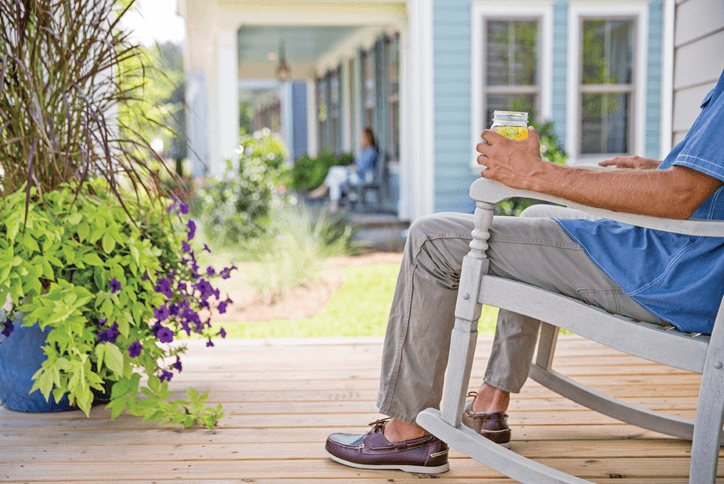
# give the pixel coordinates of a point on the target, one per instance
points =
(708, 425)
(546, 345)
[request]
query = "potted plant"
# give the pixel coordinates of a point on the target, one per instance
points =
(92, 250)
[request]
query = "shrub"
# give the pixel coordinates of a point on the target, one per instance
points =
(294, 249)
(309, 173)
(237, 206)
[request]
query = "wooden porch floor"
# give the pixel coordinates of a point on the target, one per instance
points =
(284, 397)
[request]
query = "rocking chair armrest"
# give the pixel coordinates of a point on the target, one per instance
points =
(489, 191)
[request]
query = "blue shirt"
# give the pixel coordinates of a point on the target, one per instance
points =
(366, 161)
(678, 278)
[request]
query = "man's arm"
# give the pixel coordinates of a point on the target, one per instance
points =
(634, 162)
(672, 193)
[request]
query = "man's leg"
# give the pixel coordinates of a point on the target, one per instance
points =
(529, 249)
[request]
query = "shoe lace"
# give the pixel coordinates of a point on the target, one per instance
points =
(379, 423)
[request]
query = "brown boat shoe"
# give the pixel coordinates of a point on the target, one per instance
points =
(491, 425)
(423, 455)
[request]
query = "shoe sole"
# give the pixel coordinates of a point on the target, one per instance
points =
(405, 468)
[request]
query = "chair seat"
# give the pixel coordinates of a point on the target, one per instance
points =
(664, 345)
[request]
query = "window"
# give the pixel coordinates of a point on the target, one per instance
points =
(511, 63)
(322, 113)
(511, 66)
(606, 102)
(352, 102)
(335, 111)
(393, 95)
(606, 86)
(368, 88)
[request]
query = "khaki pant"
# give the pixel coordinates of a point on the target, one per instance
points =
(531, 248)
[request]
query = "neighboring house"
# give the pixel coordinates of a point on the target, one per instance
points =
(427, 74)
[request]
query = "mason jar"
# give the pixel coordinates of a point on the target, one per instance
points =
(511, 124)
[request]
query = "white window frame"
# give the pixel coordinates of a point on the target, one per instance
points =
(605, 10)
(510, 10)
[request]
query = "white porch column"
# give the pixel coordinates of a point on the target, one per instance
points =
(227, 102)
(312, 146)
(418, 111)
(287, 115)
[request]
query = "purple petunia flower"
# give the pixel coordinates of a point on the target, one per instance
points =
(135, 349)
(178, 365)
(209, 344)
(161, 313)
(185, 246)
(206, 248)
(166, 375)
(115, 286)
(181, 286)
(8, 328)
(101, 322)
(222, 333)
(210, 271)
(164, 287)
(192, 229)
(165, 335)
(184, 207)
(110, 335)
(173, 309)
(221, 307)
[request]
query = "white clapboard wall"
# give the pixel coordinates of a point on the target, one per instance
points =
(698, 58)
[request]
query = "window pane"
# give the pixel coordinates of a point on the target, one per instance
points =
(512, 53)
(607, 51)
(369, 80)
(605, 123)
(508, 102)
(393, 68)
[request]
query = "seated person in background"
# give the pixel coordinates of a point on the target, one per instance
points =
(643, 274)
(339, 176)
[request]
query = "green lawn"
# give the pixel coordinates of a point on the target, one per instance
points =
(359, 308)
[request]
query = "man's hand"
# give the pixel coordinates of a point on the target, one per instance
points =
(516, 164)
(672, 193)
(634, 162)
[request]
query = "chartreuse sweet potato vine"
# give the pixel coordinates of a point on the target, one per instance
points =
(112, 292)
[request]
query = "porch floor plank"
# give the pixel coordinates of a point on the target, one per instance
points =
(284, 397)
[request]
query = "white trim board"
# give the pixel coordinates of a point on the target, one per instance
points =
(609, 9)
(667, 80)
(508, 10)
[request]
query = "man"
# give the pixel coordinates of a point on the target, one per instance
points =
(639, 273)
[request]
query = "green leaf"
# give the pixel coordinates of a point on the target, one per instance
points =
(100, 352)
(154, 383)
(108, 243)
(75, 218)
(114, 358)
(117, 407)
(83, 230)
(92, 259)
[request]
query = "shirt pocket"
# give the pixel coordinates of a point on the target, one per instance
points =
(707, 98)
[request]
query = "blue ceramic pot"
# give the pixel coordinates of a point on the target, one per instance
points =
(21, 355)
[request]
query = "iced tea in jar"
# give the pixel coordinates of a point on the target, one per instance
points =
(511, 124)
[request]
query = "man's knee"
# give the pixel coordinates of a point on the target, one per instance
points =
(538, 210)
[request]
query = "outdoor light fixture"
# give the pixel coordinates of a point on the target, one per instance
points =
(283, 71)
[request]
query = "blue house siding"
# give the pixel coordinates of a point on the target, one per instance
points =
(451, 33)
(452, 50)
(560, 68)
(653, 94)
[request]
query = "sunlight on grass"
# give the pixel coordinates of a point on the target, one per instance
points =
(359, 308)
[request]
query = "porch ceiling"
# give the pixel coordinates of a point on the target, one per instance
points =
(303, 44)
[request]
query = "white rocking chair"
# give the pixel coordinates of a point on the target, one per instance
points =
(697, 353)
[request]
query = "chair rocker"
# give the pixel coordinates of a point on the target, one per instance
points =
(702, 354)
